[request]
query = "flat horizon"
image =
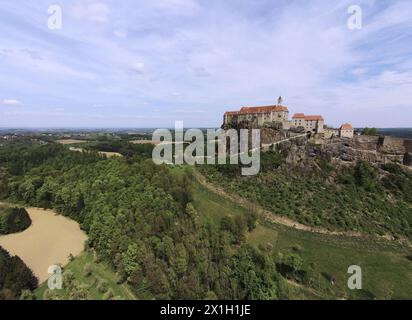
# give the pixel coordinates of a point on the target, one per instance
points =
(151, 128)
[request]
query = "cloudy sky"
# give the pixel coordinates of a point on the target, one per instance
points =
(141, 63)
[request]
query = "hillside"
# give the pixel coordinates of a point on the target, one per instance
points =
(319, 257)
(313, 185)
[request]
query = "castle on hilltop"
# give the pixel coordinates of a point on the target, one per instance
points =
(262, 115)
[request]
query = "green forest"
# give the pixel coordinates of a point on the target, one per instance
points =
(15, 277)
(13, 219)
(140, 220)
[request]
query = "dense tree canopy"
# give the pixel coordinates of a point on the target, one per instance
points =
(14, 277)
(13, 219)
(139, 218)
(370, 131)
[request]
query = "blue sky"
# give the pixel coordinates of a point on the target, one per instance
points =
(135, 63)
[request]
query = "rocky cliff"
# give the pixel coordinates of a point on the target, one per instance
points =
(362, 148)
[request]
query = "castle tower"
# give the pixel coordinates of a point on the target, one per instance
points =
(280, 101)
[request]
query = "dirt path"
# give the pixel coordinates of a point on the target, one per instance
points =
(305, 288)
(49, 240)
(273, 218)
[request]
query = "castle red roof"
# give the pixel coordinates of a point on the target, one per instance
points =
(314, 118)
(231, 113)
(307, 118)
(263, 109)
(298, 116)
(346, 126)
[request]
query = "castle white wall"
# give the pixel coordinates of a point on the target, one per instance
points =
(346, 134)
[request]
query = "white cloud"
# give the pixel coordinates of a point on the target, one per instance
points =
(41, 61)
(120, 33)
(181, 7)
(95, 12)
(185, 111)
(358, 71)
(10, 102)
(138, 67)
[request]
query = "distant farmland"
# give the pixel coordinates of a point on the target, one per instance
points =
(70, 141)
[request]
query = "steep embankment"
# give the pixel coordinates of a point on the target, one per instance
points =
(385, 264)
(275, 218)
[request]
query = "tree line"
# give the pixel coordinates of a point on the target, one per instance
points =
(13, 219)
(15, 277)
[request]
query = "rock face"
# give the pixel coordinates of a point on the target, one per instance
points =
(365, 142)
(392, 145)
(408, 145)
(361, 148)
(407, 161)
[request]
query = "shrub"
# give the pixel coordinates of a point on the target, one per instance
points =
(27, 295)
(109, 294)
(87, 270)
(51, 295)
(102, 285)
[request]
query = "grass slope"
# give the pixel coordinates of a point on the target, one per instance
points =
(387, 272)
(99, 270)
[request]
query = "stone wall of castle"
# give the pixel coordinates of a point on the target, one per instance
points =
(392, 145)
(408, 145)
